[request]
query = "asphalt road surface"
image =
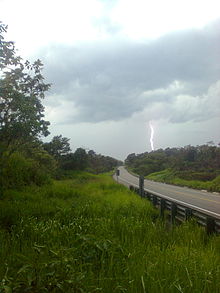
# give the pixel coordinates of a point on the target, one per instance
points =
(203, 201)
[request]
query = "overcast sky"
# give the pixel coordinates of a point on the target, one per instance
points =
(116, 65)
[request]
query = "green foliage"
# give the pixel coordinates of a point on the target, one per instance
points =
(145, 164)
(18, 170)
(89, 161)
(80, 159)
(59, 146)
(215, 184)
(100, 164)
(173, 177)
(99, 237)
(22, 88)
(196, 167)
(22, 159)
(162, 176)
(193, 175)
(75, 161)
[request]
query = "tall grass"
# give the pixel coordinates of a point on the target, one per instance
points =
(169, 176)
(89, 234)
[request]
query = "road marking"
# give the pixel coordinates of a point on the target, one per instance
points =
(176, 200)
(190, 195)
(185, 194)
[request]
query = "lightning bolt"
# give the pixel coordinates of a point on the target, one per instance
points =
(151, 136)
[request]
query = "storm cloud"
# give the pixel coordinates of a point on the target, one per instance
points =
(112, 79)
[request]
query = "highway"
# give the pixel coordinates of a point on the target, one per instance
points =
(203, 201)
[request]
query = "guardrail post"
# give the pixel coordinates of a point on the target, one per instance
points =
(136, 190)
(210, 225)
(188, 214)
(148, 195)
(141, 186)
(131, 188)
(173, 212)
(117, 173)
(162, 207)
(154, 200)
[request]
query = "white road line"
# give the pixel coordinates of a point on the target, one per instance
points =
(176, 200)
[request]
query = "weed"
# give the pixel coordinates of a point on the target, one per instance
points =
(89, 234)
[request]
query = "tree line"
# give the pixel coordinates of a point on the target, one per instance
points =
(59, 148)
(189, 162)
(24, 157)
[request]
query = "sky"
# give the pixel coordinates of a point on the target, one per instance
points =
(118, 66)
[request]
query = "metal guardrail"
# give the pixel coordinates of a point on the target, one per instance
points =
(177, 210)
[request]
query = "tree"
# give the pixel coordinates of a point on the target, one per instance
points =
(58, 147)
(75, 161)
(22, 89)
(91, 153)
(80, 159)
(130, 158)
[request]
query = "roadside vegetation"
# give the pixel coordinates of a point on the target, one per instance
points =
(65, 229)
(89, 234)
(171, 177)
(196, 167)
(25, 158)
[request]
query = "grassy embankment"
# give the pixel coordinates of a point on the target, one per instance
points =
(88, 234)
(170, 176)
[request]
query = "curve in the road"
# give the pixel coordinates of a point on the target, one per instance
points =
(203, 201)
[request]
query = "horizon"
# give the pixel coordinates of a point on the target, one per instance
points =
(116, 66)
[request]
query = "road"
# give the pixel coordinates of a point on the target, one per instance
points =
(203, 201)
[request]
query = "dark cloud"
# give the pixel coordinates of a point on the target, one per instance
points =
(113, 79)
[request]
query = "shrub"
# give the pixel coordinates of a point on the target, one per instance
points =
(17, 170)
(191, 175)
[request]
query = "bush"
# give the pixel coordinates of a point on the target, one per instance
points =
(99, 237)
(17, 170)
(191, 175)
(172, 177)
